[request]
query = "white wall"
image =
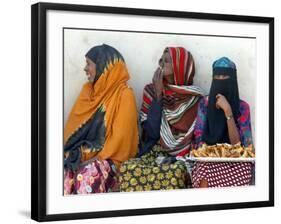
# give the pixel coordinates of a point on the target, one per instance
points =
(15, 111)
(142, 51)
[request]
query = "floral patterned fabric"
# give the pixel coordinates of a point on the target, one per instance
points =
(146, 173)
(96, 176)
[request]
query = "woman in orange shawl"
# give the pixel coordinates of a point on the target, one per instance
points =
(101, 130)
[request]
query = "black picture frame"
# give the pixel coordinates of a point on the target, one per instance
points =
(39, 108)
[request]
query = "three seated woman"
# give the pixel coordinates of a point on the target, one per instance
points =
(104, 150)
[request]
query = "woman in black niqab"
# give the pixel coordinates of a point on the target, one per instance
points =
(225, 85)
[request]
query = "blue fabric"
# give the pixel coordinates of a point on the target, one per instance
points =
(151, 128)
(224, 62)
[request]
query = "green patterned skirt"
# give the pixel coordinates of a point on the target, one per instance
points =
(146, 173)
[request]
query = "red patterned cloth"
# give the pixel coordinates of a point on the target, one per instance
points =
(222, 174)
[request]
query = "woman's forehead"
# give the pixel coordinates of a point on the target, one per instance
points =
(88, 60)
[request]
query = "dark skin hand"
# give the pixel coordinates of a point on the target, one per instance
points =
(164, 71)
(158, 82)
(233, 133)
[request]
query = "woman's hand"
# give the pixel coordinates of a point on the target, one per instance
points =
(233, 132)
(223, 104)
(158, 82)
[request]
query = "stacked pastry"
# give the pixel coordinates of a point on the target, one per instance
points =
(224, 150)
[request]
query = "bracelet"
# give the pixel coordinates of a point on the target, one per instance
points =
(229, 117)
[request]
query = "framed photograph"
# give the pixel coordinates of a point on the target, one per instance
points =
(141, 111)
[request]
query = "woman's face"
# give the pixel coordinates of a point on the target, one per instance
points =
(165, 63)
(221, 77)
(90, 70)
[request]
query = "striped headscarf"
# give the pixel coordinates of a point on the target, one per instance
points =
(180, 103)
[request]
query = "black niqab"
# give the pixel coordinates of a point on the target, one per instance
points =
(216, 130)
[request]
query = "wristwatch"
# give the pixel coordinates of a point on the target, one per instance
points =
(229, 117)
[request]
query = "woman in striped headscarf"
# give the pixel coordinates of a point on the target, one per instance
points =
(101, 131)
(170, 104)
(167, 120)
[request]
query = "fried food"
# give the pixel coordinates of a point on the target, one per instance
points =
(224, 150)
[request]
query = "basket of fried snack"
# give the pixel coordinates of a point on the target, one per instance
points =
(224, 152)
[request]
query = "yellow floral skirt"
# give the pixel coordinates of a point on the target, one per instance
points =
(145, 173)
